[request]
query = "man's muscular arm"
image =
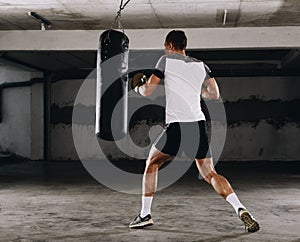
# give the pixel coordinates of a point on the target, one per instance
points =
(210, 89)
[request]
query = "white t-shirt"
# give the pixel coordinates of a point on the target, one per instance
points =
(183, 78)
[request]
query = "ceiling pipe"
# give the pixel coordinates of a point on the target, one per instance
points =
(224, 17)
(42, 19)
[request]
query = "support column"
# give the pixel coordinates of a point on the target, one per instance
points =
(47, 117)
(37, 121)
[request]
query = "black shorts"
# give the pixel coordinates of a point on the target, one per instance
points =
(188, 137)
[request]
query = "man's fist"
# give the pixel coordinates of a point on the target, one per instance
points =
(138, 80)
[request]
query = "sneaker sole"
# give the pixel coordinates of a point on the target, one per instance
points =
(250, 223)
(142, 225)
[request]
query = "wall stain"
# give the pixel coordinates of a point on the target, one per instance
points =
(251, 111)
(261, 151)
(277, 113)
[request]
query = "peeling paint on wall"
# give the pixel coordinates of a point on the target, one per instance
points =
(252, 111)
(278, 113)
(262, 126)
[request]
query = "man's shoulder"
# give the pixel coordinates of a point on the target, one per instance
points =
(193, 59)
(185, 58)
(162, 58)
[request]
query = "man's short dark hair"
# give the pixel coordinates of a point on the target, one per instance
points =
(177, 38)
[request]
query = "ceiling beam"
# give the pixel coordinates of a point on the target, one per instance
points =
(147, 39)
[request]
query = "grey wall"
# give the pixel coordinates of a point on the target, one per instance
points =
(263, 118)
(262, 112)
(21, 129)
(63, 94)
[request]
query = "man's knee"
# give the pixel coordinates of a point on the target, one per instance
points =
(154, 162)
(156, 159)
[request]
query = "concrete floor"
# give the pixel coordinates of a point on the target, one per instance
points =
(38, 204)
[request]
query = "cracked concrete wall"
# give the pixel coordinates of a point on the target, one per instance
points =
(263, 120)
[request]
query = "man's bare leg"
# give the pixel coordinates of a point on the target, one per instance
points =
(154, 161)
(223, 188)
(209, 174)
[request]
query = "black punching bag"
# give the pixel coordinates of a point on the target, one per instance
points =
(112, 82)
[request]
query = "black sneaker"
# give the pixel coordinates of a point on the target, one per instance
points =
(250, 223)
(139, 222)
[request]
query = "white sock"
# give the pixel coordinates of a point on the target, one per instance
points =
(146, 206)
(235, 202)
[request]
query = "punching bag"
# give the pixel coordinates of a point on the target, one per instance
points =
(112, 86)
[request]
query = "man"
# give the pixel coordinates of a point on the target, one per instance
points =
(185, 80)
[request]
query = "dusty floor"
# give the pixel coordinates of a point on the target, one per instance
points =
(38, 206)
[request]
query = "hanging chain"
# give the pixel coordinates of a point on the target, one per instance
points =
(117, 19)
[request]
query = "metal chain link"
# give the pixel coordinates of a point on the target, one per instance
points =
(117, 20)
(118, 17)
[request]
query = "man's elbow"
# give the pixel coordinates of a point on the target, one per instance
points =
(215, 96)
